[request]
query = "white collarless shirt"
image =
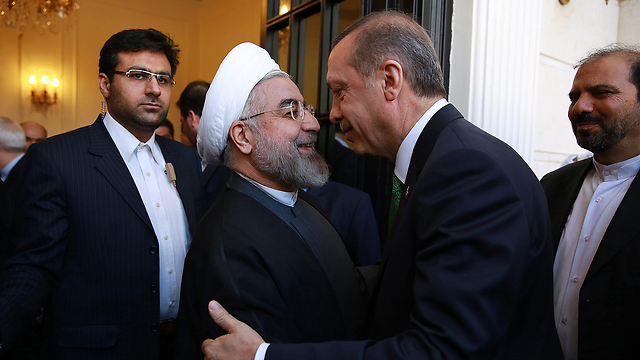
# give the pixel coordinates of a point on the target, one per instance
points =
(602, 191)
(146, 165)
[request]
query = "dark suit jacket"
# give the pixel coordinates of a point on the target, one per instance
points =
(87, 250)
(351, 213)
(260, 267)
(609, 315)
(467, 273)
(8, 206)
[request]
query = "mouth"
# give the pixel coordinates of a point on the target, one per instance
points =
(151, 106)
(586, 122)
(345, 127)
(306, 148)
(586, 125)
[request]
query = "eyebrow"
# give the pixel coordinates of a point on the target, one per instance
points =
(141, 68)
(286, 102)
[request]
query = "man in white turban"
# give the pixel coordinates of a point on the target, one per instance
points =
(263, 248)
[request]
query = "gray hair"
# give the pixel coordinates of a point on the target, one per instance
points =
(392, 35)
(628, 52)
(12, 138)
(253, 105)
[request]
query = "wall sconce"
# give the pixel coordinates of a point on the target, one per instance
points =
(43, 97)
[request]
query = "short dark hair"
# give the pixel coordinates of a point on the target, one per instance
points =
(192, 98)
(628, 52)
(135, 40)
(168, 124)
(385, 35)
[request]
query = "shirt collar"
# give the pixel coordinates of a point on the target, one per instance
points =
(287, 198)
(126, 142)
(618, 171)
(403, 158)
(7, 169)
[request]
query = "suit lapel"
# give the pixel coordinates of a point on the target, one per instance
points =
(562, 198)
(621, 230)
(110, 164)
(421, 152)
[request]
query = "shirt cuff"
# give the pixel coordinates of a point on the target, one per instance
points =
(261, 352)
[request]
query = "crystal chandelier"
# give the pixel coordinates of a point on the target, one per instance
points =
(43, 15)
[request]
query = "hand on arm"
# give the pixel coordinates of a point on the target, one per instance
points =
(241, 343)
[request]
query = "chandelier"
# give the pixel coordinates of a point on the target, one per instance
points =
(42, 15)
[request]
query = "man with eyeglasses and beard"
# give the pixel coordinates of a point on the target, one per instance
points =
(107, 216)
(264, 248)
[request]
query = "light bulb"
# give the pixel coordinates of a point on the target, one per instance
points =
(45, 79)
(284, 9)
(55, 82)
(32, 80)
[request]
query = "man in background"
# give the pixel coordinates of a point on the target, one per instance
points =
(165, 129)
(594, 206)
(107, 216)
(191, 102)
(34, 132)
(12, 149)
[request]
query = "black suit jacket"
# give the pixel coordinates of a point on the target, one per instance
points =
(467, 273)
(351, 213)
(608, 315)
(87, 251)
(261, 268)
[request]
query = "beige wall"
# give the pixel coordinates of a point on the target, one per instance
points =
(205, 30)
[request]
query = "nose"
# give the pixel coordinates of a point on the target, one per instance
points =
(153, 87)
(582, 105)
(310, 123)
(335, 115)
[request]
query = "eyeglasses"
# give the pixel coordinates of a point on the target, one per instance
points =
(296, 110)
(142, 76)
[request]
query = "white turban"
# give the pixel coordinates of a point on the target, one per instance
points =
(239, 72)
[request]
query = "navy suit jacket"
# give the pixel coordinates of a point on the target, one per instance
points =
(87, 251)
(608, 315)
(351, 213)
(467, 271)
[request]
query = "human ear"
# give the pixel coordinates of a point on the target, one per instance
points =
(393, 79)
(241, 136)
(105, 84)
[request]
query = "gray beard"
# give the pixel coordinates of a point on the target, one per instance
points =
(287, 165)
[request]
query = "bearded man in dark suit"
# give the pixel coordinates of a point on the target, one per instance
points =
(107, 216)
(466, 273)
(264, 246)
(594, 205)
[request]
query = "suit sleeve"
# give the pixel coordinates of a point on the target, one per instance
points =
(471, 235)
(41, 236)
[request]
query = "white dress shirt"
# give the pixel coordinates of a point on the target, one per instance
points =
(602, 191)
(163, 205)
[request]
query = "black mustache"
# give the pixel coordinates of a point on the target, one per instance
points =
(586, 118)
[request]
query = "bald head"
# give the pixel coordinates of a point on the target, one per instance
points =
(33, 132)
